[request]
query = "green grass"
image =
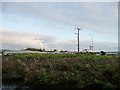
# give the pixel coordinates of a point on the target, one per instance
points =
(61, 70)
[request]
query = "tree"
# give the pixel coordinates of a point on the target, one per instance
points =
(103, 53)
(43, 50)
(54, 50)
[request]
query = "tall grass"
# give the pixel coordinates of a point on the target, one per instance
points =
(75, 70)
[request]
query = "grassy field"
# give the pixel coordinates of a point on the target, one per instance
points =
(61, 70)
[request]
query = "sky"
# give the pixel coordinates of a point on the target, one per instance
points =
(51, 25)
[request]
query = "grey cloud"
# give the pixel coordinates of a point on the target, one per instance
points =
(19, 40)
(93, 17)
(107, 46)
(84, 44)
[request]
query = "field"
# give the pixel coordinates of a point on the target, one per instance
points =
(61, 70)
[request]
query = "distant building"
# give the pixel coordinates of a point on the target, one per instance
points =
(85, 50)
(112, 53)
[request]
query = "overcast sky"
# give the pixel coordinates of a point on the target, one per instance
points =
(52, 25)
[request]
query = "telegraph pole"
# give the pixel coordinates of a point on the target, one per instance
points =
(92, 42)
(78, 37)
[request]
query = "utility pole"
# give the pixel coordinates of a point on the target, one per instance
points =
(78, 37)
(92, 43)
